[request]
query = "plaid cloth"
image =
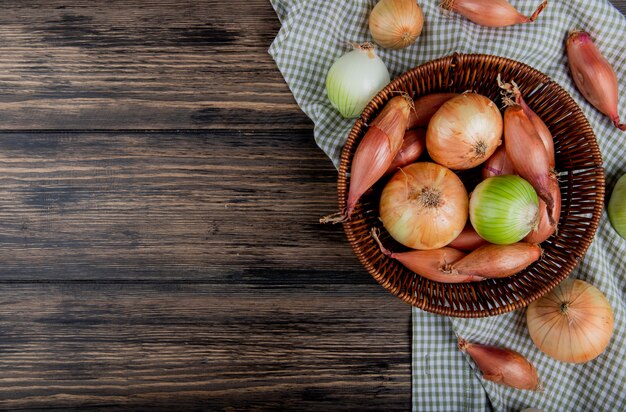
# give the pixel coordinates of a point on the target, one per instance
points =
(315, 33)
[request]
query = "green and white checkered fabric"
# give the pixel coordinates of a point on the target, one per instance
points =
(315, 33)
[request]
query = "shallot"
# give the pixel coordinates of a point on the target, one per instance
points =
(495, 261)
(491, 13)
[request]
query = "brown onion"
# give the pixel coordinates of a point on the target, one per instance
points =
(464, 132)
(503, 366)
(572, 323)
(396, 24)
(424, 206)
(496, 261)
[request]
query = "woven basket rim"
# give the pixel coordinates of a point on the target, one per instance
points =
(503, 303)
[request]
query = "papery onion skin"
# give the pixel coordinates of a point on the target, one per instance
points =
(593, 75)
(527, 153)
(396, 24)
(504, 209)
(617, 207)
(464, 132)
(413, 145)
(426, 263)
(496, 261)
(572, 323)
(426, 106)
(491, 13)
(468, 239)
(424, 206)
(498, 164)
(379, 147)
(544, 229)
(503, 366)
(354, 79)
(542, 131)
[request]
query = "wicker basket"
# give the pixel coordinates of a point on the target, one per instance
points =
(582, 186)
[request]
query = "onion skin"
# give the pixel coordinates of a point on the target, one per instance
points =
(396, 24)
(464, 132)
(502, 366)
(426, 107)
(424, 206)
(593, 75)
(544, 229)
(498, 164)
(496, 261)
(426, 263)
(413, 145)
(491, 13)
(528, 154)
(468, 239)
(379, 147)
(572, 323)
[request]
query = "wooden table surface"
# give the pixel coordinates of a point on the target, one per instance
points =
(159, 198)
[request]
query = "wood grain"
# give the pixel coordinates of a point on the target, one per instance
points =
(142, 65)
(159, 244)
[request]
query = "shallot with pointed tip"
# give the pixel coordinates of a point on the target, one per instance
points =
(491, 13)
(593, 75)
(503, 366)
(426, 263)
(375, 152)
(528, 154)
(495, 261)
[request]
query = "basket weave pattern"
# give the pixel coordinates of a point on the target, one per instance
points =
(581, 180)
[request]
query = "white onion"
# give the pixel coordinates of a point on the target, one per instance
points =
(354, 79)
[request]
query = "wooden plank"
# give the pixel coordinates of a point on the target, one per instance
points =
(158, 64)
(184, 346)
(115, 206)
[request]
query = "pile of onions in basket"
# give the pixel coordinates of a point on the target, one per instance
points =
(431, 225)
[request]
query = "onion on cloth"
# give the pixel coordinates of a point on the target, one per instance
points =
(572, 323)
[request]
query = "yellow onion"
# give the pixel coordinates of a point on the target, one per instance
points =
(464, 132)
(573, 323)
(396, 24)
(424, 206)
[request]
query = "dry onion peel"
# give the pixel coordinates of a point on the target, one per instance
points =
(544, 229)
(491, 13)
(593, 75)
(396, 24)
(503, 366)
(495, 261)
(572, 323)
(426, 263)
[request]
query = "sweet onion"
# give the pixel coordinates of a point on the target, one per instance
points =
(464, 132)
(504, 209)
(572, 323)
(354, 79)
(617, 207)
(424, 206)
